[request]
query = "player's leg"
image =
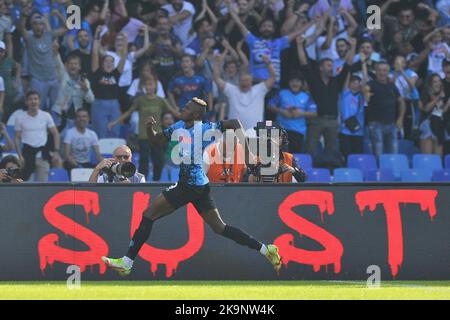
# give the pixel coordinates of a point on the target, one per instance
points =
(208, 210)
(158, 209)
(163, 205)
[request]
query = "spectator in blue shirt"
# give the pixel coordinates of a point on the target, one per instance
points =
(351, 106)
(266, 45)
(293, 107)
(188, 85)
(91, 19)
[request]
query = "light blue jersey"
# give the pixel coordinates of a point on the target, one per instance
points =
(192, 173)
(351, 105)
(287, 99)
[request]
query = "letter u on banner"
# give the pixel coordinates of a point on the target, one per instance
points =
(168, 257)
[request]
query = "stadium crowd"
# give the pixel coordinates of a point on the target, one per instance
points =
(336, 87)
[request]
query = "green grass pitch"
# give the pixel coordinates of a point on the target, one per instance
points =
(226, 290)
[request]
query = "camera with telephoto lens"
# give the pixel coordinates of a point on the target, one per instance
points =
(12, 173)
(269, 133)
(120, 170)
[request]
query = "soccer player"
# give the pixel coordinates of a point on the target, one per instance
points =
(192, 187)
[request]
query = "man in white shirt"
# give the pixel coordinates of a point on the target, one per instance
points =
(180, 16)
(78, 143)
(246, 101)
(31, 131)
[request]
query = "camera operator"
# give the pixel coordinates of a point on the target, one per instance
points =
(118, 169)
(10, 171)
(286, 168)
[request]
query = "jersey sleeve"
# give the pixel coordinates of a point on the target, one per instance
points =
(169, 131)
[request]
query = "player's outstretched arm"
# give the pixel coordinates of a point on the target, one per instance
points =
(156, 139)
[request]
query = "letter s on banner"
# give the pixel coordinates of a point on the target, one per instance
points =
(170, 258)
(334, 249)
(48, 248)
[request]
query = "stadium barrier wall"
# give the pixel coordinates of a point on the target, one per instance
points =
(325, 232)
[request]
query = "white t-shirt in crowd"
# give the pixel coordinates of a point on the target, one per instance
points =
(182, 28)
(248, 107)
(134, 89)
(81, 143)
(436, 56)
(34, 129)
(2, 84)
(127, 74)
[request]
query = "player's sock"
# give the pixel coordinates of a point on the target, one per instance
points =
(140, 236)
(263, 250)
(241, 237)
(128, 261)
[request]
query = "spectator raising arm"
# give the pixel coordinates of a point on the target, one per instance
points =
(95, 59)
(177, 18)
(351, 22)
(218, 59)
(329, 38)
(9, 144)
(301, 51)
(272, 75)
(237, 20)
(211, 15)
(242, 56)
(61, 31)
(299, 31)
(123, 54)
(139, 53)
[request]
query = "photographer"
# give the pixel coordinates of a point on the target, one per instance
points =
(286, 167)
(10, 171)
(118, 169)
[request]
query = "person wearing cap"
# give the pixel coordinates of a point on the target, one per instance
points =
(294, 107)
(41, 66)
(352, 105)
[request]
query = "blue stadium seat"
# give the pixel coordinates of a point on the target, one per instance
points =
(396, 162)
(416, 175)
(441, 175)
(430, 162)
(348, 175)
(381, 175)
(165, 175)
(318, 175)
(304, 160)
(408, 148)
(58, 175)
(363, 162)
(447, 161)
